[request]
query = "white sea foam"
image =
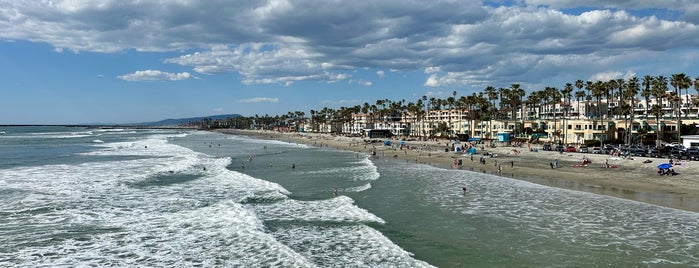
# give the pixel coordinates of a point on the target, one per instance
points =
(565, 216)
(266, 142)
(360, 188)
(339, 209)
(346, 246)
(176, 207)
(362, 170)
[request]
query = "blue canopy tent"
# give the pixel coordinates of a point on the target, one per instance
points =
(664, 166)
(471, 151)
(387, 143)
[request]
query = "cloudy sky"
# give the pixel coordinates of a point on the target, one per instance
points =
(121, 61)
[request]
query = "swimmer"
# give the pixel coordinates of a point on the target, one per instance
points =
(334, 192)
(293, 166)
(463, 190)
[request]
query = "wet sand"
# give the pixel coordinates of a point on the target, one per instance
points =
(630, 179)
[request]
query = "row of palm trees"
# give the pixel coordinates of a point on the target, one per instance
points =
(504, 104)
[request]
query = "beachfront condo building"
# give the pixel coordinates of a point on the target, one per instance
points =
(572, 122)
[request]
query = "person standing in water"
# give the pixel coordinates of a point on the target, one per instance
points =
(334, 192)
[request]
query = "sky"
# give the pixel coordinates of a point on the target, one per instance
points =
(129, 61)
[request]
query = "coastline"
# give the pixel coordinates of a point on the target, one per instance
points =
(631, 179)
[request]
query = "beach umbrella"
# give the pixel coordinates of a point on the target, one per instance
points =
(664, 166)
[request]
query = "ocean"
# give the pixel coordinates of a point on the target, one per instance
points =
(73, 196)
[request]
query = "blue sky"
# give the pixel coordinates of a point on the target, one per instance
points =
(69, 62)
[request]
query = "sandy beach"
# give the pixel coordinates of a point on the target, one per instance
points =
(631, 178)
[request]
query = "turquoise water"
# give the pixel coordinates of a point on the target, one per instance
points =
(74, 196)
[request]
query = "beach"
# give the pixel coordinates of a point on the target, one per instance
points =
(633, 178)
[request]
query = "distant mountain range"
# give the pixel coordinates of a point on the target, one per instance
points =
(180, 121)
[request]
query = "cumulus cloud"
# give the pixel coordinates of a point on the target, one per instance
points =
(381, 74)
(284, 42)
(606, 76)
(154, 75)
(260, 99)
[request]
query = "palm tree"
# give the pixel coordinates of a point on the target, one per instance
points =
(460, 105)
(492, 94)
(647, 91)
(566, 93)
(451, 101)
(517, 95)
(681, 81)
(435, 105)
(424, 113)
(504, 100)
(659, 92)
(632, 88)
(598, 90)
(579, 94)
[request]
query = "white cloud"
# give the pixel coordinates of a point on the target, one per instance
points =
(282, 42)
(260, 99)
(154, 75)
(606, 76)
(381, 74)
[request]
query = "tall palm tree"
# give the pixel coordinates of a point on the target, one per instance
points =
(492, 94)
(659, 92)
(461, 105)
(681, 81)
(566, 93)
(504, 100)
(451, 101)
(696, 88)
(632, 89)
(647, 91)
(518, 93)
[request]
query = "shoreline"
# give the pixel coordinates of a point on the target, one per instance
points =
(632, 179)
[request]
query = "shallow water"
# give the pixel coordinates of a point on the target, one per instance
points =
(72, 196)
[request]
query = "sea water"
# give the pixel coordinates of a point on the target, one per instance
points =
(124, 197)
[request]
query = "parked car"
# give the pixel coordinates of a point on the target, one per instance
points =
(560, 148)
(571, 149)
(654, 152)
(583, 149)
(609, 148)
(596, 150)
(693, 154)
(679, 154)
(547, 147)
(637, 150)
